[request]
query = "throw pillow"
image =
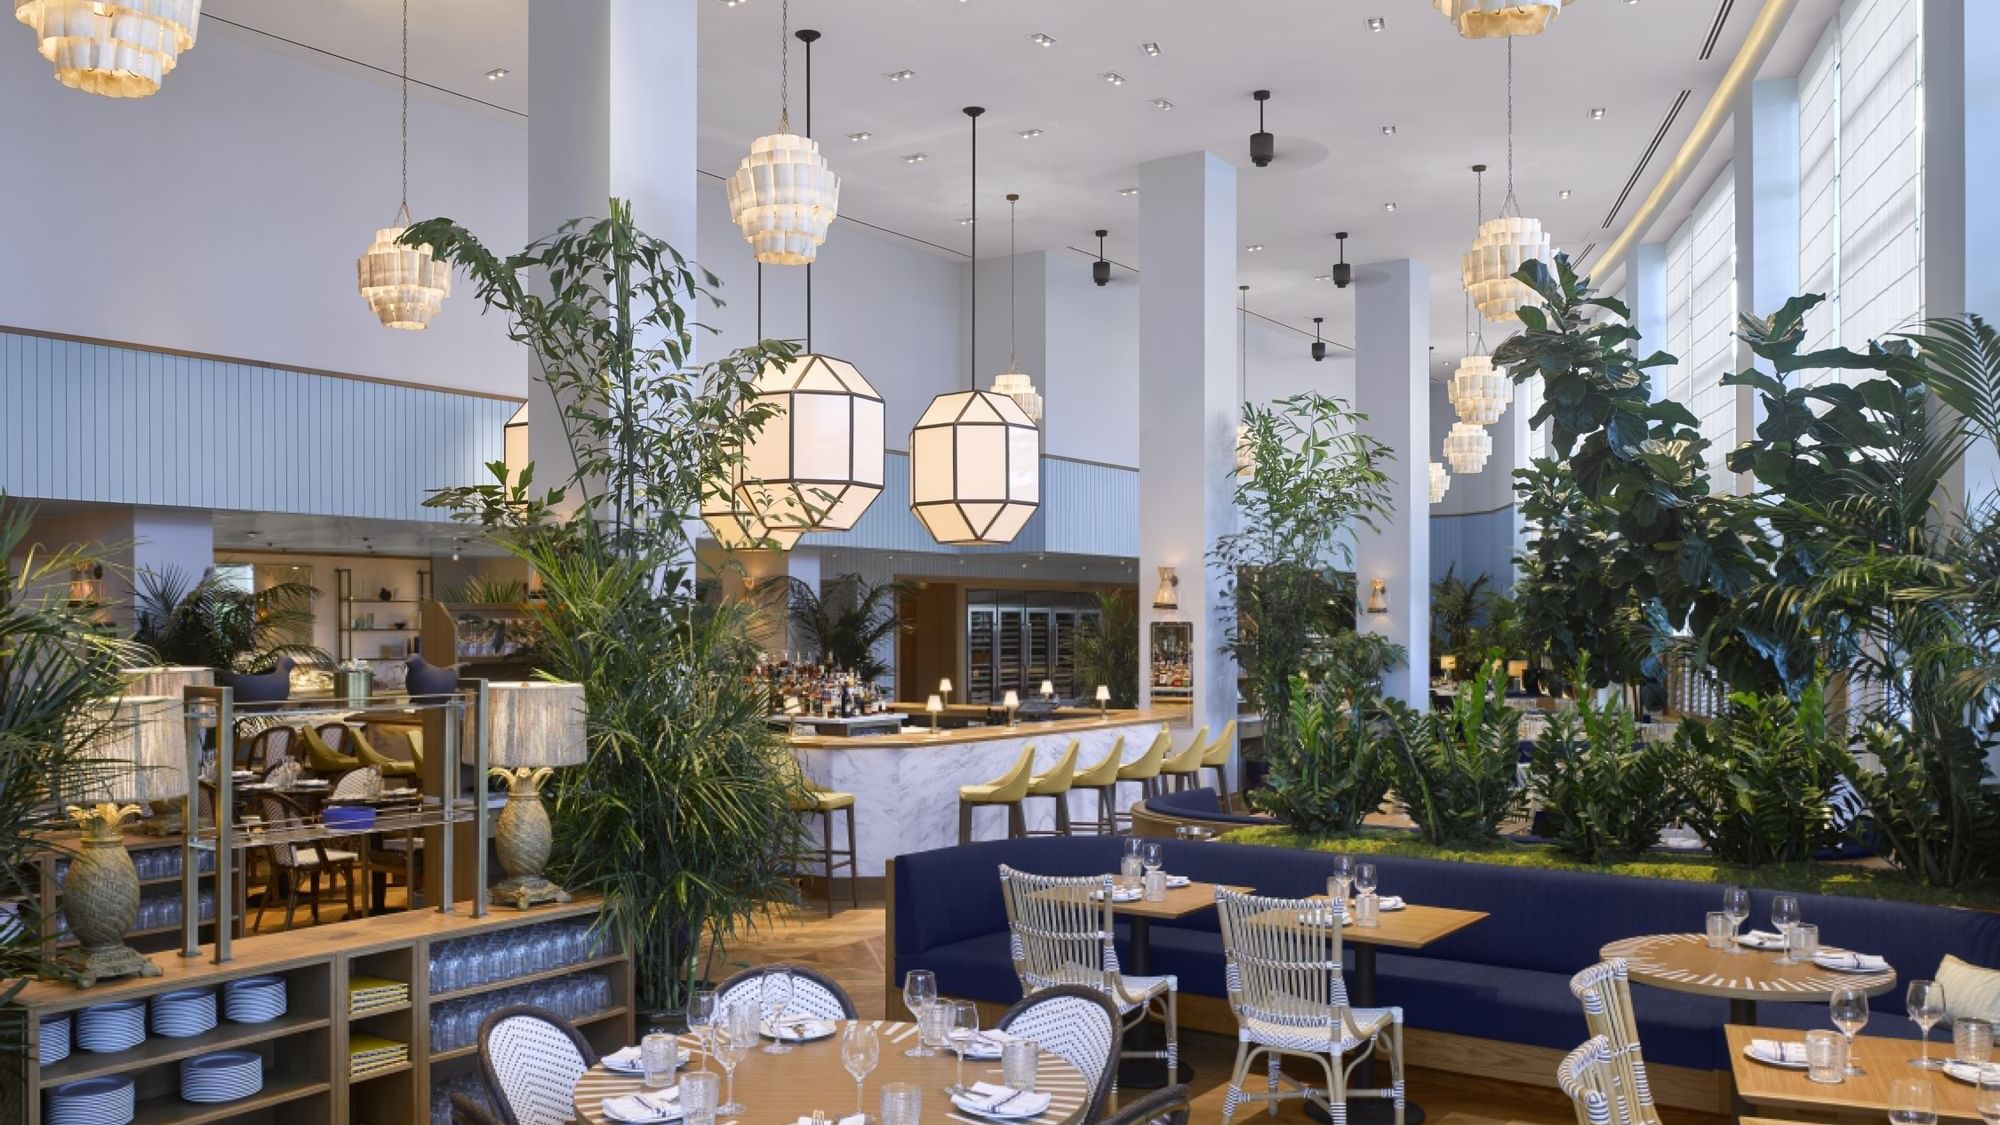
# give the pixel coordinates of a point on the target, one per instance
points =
(1970, 992)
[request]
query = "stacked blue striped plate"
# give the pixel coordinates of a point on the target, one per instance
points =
(224, 1076)
(55, 1038)
(254, 999)
(116, 1026)
(92, 1101)
(189, 1011)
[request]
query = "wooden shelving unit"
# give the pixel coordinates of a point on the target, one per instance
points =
(307, 1071)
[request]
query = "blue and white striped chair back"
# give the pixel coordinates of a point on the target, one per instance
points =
(1587, 1076)
(812, 993)
(1605, 992)
(533, 1063)
(1077, 1024)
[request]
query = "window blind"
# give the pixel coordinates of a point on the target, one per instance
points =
(1701, 317)
(1819, 192)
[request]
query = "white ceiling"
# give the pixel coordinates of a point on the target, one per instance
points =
(1334, 85)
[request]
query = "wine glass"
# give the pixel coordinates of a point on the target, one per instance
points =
(919, 992)
(1341, 879)
(964, 1029)
(1151, 857)
(1925, 1001)
(1849, 1009)
(1735, 907)
(1785, 915)
(1365, 879)
(1988, 1097)
(701, 1018)
(860, 1050)
(1912, 1102)
(776, 992)
(734, 1032)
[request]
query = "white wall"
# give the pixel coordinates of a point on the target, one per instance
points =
(225, 214)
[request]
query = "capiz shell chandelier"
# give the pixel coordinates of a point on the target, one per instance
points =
(816, 464)
(1014, 382)
(1478, 392)
(783, 196)
(1505, 242)
(1500, 19)
(403, 284)
(1440, 482)
(1467, 447)
(119, 50)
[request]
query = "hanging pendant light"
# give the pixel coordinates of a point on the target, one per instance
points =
(1319, 345)
(1100, 270)
(783, 195)
(1440, 482)
(1493, 19)
(817, 463)
(1505, 241)
(118, 50)
(1478, 392)
(735, 525)
(1343, 274)
(1467, 447)
(1246, 449)
(404, 285)
(1263, 146)
(1013, 382)
(975, 458)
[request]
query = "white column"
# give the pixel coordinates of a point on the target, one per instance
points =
(1766, 167)
(1392, 319)
(1187, 408)
(1646, 294)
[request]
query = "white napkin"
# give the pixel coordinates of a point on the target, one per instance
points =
(1389, 902)
(798, 1028)
(1771, 1050)
(661, 1106)
(1761, 939)
(850, 1119)
(1179, 881)
(1121, 894)
(1967, 1072)
(988, 1044)
(1853, 962)
(624, 1058)
(986, 1097)
(1324, 917)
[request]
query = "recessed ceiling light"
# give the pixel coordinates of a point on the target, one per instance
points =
(1377, 23)
(915, 158)
(1152, 49)
(732, 3)
(1253, 248)
(1162, 103)
(1596, 113)
(1128, 191)
(965, 222)
(1564, 193)
(1043, 40)
(1323, 277)
(1029, 134)
(861, 136)
(1388, 130)
(1388, 207)
(497, 73)
(900, 75)
(1113, 77)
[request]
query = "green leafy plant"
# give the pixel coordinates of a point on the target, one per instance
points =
(1107, 650)
(850, 620)
(208, 622)
(485, 589)
(1606, 791)
(1334, 770)
(1454, 769)
(1759, 781)
(1458, 608)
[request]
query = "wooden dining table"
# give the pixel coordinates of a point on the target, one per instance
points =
(780, 1089)
(1685, 963)
(1776, 1091)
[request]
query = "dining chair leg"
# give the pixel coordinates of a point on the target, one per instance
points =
(853, 866)
(826, 854)
(313, 902)
(347, 874)
(1234, 1096)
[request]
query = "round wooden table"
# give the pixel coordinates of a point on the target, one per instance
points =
(780, 1089)
(1685, 963)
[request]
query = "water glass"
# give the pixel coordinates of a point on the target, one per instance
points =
(700, 1090)
(776, 993)
(1341, 879)
(919, 993)
(1826, 1056)
(1987, 1100)
(1801, 943)
(902, 1103)
(1019, 1059)
(1367, 910)
(1130, 870)
(1156, 885)
(933, 1025)
(658, 1054)
(1912, 1102)
(1972, 1041)
(1718, 930)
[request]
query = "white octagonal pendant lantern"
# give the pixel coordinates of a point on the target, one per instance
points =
(975, 469)
(817, 463)
(734, 525)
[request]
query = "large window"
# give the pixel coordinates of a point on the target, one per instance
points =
(1861, 176)
(1701, 319)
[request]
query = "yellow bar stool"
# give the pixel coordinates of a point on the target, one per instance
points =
(1182, 770)
(1055, 783)
(1007, 789)
(1217, 759)
(1102, 779)
(1145, 769)
(826, 802)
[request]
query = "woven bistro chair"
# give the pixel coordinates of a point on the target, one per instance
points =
(814, 994)
(1102, 779)
(1078, 1025)
(1055, 784)
(1167, 1106)
(532, 1058)
(467, 1111)
(1216, 758)
(1182, 770)
(1005, 790)
(1590, 1077)
(1283, 972)
(1605, 991)
(291, 862)
(1061, 933)
(266, 748)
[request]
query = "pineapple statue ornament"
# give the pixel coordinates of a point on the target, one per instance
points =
(101, 896)
(524, 838)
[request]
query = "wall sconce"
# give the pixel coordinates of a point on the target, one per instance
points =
(1166, 596)
(1378, 596)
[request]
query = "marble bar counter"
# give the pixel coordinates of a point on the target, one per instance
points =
(906, 785)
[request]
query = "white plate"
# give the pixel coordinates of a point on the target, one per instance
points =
(1769, 943)
(806, 1031)
(673, 1114)
(1771, 1062)
(1966, 1072)
(1001, 1115)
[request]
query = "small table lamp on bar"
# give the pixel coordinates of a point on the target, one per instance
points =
(944, 689)
(533, 728)
(935, 705)
(1048, 691)
(138, 753)
(1103, 703)
(1011, 701)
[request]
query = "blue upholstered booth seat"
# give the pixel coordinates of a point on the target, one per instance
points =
(1506, 977)
(1199, 804)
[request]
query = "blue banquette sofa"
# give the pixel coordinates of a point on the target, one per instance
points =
(1505, 978)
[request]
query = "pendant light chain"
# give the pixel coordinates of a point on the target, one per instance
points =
(1510, 207)
(1479, 216)
(972, 343)
(784, 82)
(1012, 307)
(403, 212)
(785, 68)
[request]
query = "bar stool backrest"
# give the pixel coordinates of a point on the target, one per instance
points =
(1217, 753)
(1105, 772)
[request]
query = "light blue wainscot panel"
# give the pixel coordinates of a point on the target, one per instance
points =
(1087, 509)
(121, 425)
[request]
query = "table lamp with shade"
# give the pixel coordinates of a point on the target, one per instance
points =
(532, 728)
(934, 705)
(138, 754)
(172, 681)
(1011, 701)
(1048, 692)
(944, 689)
(1447, 664)
(1517, 671)
(1103, 703)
